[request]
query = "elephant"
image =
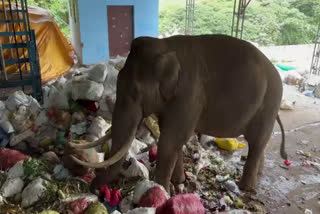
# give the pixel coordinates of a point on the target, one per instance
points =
(210, 84)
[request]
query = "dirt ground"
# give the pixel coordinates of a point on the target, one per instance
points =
(296, 188)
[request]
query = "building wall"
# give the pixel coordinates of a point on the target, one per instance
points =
(94, 25)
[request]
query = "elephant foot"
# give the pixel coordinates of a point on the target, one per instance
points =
(178, 178)
(247, 186)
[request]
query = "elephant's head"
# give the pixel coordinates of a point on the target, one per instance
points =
(148, 81)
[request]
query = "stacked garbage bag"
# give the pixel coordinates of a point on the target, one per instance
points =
(36, 175)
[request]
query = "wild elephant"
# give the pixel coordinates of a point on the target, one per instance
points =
(212, 84)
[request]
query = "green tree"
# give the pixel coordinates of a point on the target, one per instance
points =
(59, 10)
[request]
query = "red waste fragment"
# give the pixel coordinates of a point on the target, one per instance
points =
(153, 153)
(153, 197)
(182, 204)
(9, 157)
(112, 196)
(79, 206)
(88, 177)
(286, 162)
(89, 105)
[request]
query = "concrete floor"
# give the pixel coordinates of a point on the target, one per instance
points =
(292, 190)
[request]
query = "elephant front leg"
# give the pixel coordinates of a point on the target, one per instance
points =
(166, 160)
(170, 155)
(178, 176)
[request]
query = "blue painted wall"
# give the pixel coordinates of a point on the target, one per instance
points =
(94, 25)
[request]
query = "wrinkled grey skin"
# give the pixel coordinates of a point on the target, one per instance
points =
(212, 84)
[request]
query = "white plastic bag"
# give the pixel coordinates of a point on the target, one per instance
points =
(58, 99)
(19, 98)
(97, 129)
(16, 171)
(136, 169)
(11, 187)
(33, 192)
(97, 72)
(86, 90)
(142, 210)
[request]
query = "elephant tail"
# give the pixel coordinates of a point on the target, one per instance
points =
(283, 152)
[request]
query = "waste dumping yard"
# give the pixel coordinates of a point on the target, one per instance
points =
(37, 174)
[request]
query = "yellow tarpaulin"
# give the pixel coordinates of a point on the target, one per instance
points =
(55, 53)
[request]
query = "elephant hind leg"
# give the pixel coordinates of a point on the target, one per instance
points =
(178, 176)
(257, 134)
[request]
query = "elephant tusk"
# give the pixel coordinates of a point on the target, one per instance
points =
(92, 144)
(112, 160)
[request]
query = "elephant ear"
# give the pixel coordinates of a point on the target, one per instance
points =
(167, 69)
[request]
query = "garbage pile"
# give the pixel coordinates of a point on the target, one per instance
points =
(307, 84)
(36, 177)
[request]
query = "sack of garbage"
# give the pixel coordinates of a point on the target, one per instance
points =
(86, 90)
(182, 204)
(11, 187)
(33, 192)
(19, 98)
(9, 157)
(58, 99)
(4, 138)
(153, 197)
(96, 72)
(142, 187)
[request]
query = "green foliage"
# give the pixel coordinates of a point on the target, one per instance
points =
(267, 22)
(59, 10)
(33, 168)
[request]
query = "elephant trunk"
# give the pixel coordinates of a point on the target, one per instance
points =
(125, 121)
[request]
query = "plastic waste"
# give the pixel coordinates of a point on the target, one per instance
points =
(308, 93)
(153, 197)
(9, 157)
(229, 144)
(33, 192)
(113, 197)
(21, 119)
(79, 206)
(142, 210)
(19, 98)
(232, 186)
(11, 187)
(79, 128)
(97, 72)
(143, 187)
(16, 171)
(58, 99)
(4, 138)
(286, 105)
(6, 126)
(135, 169)
(88, 196)
(97, 129)
(60, 173)
(182, 204)
(126, 203)
(86, 90)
